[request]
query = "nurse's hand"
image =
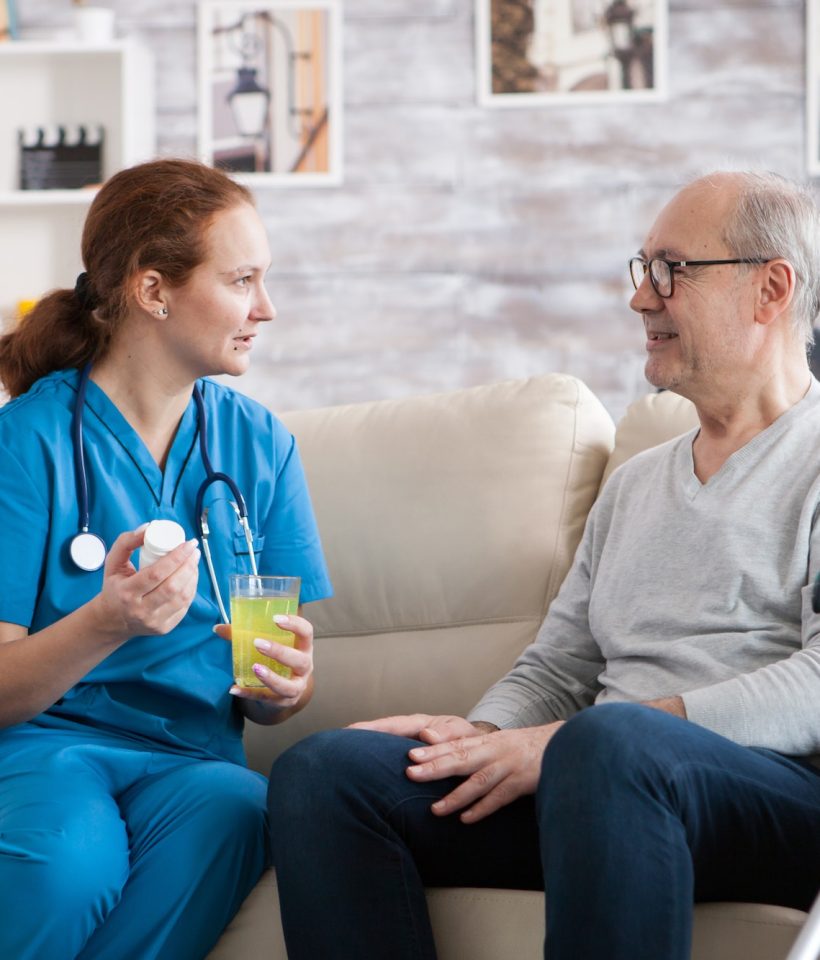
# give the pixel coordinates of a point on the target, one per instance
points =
(280, 697)
(151, 601)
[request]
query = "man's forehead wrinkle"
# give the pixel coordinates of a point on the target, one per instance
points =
(664, 253)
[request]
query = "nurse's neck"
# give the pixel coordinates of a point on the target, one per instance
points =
(152, 401)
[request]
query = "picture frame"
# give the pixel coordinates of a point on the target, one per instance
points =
(544, 52)
(270, 90)
(813, 88)
(8, 20)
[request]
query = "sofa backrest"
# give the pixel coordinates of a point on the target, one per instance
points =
(449, 522)
(648, 421)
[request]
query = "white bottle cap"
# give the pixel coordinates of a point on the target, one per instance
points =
(161, 536)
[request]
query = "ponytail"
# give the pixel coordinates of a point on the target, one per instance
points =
(151, 216)
(57, 333)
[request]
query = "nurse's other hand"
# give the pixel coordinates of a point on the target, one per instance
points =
(281, 693)
(151, 601)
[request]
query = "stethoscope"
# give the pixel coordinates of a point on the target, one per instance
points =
(88, 550)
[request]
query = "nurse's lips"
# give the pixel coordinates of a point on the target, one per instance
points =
(245, 341)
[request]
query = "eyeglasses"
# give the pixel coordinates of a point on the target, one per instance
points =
(662, 272)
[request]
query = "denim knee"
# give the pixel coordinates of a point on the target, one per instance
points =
(606, 744)
(318, 761)
(332, 765)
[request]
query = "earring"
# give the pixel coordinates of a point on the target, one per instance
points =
(162, 312)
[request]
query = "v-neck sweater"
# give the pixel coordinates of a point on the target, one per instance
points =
(701, 590)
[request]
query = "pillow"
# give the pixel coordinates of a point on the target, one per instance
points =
(653, 419)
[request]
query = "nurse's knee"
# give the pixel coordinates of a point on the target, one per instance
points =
(76, 866)
(225, 801)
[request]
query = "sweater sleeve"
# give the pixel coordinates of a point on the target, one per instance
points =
(557, 674)
(776, 706)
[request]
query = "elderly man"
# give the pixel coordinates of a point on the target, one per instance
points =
(653, 746)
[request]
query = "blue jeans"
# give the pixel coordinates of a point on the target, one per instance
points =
(637, 815)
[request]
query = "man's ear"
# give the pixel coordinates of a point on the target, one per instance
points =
(148, 287)
(775, 290)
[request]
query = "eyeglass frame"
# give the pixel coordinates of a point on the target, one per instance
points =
(675, 264)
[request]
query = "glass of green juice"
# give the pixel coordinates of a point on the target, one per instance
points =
(255, 601)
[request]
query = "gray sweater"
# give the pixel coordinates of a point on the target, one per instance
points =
(699, 590)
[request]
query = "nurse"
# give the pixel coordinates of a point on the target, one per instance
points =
(130, 826)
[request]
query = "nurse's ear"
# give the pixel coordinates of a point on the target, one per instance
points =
(148, 293)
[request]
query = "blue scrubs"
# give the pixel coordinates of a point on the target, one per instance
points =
(111, 776)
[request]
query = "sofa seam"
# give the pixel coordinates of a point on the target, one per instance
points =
(420, 628)
(551, 587)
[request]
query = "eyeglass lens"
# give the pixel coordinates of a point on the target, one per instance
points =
(660, 273)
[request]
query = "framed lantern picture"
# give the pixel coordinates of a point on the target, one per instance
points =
(8, 20)
(270, 89)
(536, 52)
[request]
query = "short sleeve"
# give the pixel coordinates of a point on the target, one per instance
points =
(24, 526)
(292, 544)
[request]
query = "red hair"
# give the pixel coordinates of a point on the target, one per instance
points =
(151, 216)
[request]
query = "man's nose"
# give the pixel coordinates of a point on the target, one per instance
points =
(645, 297)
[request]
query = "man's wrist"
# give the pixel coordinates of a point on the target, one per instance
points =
(484, 726)
(673, 705)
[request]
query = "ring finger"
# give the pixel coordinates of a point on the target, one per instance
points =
(297, 660)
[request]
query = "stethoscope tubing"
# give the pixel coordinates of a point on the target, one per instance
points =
(81, 478)
(201, 512)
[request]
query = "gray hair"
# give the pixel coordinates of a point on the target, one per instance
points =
(775, 217)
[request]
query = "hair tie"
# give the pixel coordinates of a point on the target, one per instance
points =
(83, 293)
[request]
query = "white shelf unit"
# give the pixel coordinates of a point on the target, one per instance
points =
(52, 83)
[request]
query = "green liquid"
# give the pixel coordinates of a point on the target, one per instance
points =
(252, 619)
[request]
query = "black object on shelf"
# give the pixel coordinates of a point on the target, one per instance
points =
(60, 158)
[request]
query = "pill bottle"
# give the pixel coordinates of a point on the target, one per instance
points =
(161, 536)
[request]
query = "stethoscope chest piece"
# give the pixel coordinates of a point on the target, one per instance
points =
(87, 551)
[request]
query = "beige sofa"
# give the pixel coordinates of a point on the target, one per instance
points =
(449, 522)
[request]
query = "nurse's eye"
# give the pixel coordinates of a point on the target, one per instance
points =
(244, 281)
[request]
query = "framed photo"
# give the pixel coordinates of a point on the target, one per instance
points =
(813, 88)
(8, 20)
(270, 89)
(538, 52)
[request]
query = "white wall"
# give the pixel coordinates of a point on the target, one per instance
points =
(468, 245)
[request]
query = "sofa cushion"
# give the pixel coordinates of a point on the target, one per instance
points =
(449, 522)
(419, 501)
(490, 924)
(651, 420)
(406, 493)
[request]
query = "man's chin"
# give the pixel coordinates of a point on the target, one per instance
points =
(663, 375)
(658, 378)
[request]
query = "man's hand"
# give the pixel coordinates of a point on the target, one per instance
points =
(421, 726)
(500, 767)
